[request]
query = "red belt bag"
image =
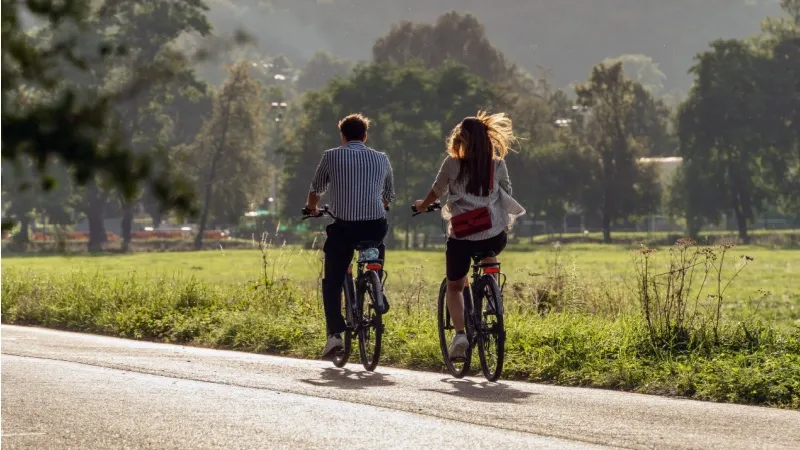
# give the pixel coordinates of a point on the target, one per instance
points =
(476, 220)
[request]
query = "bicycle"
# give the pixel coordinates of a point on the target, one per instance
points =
(484, 324)
(367, 325)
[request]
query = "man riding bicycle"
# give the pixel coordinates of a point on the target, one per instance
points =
(360, 185)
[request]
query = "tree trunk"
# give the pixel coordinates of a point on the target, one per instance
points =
(606, 228)
(155, 218)
(127, 226)
(198, 240)
(693, 226)
(741, 224)
(608, 193)
(212, 174)
(24, 234)
(95, 216)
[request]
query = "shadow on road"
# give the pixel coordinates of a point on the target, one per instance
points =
(483, 392)
(348, 379)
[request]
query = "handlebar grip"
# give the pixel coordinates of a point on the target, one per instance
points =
(431, 208)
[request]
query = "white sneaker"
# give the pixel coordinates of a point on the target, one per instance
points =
(458, 348)
(333, 345)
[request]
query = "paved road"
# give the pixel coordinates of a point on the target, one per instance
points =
(64, 390)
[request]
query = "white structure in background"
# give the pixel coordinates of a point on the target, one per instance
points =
(667, 166)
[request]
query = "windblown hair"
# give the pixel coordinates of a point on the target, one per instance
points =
(475, 143)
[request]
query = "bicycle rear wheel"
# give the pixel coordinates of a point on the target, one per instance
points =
(491, 332)
(447, 331)
(370, 322)
(341, 357)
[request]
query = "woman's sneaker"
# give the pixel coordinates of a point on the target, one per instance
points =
(333, 345)
(458, 348)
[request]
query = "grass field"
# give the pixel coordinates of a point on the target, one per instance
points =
(607, 268)
(594, 334)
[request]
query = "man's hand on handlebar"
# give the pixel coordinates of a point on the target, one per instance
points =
(311, 212)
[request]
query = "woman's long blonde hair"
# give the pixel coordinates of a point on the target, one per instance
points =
(498, 128)
(475, 142)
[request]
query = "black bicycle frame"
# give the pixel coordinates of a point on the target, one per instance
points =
(351, 285)
(355, 284)
(479, 270)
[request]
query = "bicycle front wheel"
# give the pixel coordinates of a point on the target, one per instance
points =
(491, 332)
(370, 322)
(457, 369)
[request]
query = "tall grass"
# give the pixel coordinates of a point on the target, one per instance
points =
(663, 332)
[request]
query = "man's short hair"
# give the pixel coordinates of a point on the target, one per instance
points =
(354, 127)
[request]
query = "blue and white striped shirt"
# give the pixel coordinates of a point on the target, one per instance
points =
(359, 179)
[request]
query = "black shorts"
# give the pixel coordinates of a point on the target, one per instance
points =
(458, 255)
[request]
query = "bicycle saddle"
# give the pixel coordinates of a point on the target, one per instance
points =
(364, 245)
(483, 255)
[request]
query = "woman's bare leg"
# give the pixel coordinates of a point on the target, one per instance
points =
(455, 302)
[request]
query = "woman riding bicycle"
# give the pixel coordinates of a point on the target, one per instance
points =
(479, 205)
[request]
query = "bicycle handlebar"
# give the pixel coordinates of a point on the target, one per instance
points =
(431, 208)
(322, 211)
(325, 210)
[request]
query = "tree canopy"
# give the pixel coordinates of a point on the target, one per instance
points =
(105, 115)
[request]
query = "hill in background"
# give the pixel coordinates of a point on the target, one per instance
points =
(566, 36)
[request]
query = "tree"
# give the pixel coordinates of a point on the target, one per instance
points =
(454, 36)
(148, 28)
(649, 122)
(738, 128)
(412, 108)
(568, 34)
(641, 69)
(782, 43)
(226, 158)
(402, 101)
(315, 131)
(549, 177)
(24, 198)
(547, 172)
(623, 186)
(723, 129)
(787, 64)
(76, 124)
(321, 68)
(172, 118)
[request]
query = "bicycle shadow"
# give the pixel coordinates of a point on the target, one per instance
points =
(348, 379)
(483, 391)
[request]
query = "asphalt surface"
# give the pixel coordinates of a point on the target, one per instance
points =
(65, 390)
